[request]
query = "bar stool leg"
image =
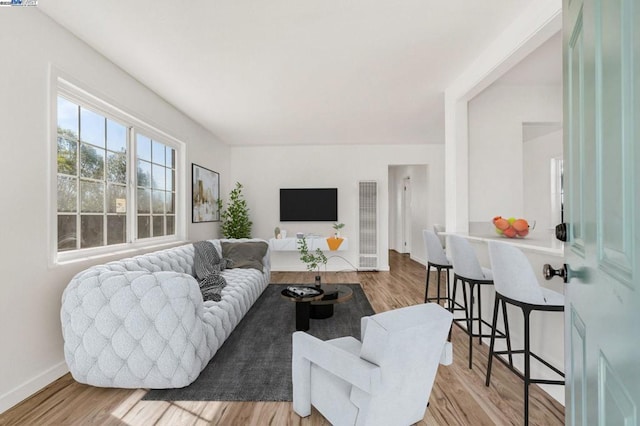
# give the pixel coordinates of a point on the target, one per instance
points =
(469, 313)
(438, 292)
(493, 340)
(527, 366)
(449, 291)
(455, 287)
(426, 291)
(478, 290)
(506, 332)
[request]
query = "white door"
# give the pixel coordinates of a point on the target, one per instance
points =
(602, 125)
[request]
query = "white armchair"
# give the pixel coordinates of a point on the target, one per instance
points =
(384, 379)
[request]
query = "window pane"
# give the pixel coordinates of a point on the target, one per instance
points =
(143, 148)
(144, 200)
(67, 194)
(91, 197)
(171, 157)
(144, 226)
(170, 202)
(158, 177)
(158, 202)
(116, 136)
(116, 229)
(158, 226)
(91, 162)
(170, 225)
(67, 156)
(66, 232)
(67, 118)
(91, 231)
(116, 167)
(92, 128)
(144, 174)
(157, 152)
(116, 198)
(171, 179)
(95, 167)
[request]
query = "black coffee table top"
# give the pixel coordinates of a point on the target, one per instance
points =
(344, 293)
(313, 293)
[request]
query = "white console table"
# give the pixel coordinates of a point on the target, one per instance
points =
(291, 244)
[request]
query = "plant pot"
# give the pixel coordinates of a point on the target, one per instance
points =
(318, 283)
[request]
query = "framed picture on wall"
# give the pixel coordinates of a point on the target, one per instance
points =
(205, 191)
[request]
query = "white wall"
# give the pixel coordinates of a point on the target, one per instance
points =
(30, 291)
(496, 145)
(264, 170)
(537, 157)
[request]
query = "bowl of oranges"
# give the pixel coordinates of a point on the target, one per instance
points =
(511, 227)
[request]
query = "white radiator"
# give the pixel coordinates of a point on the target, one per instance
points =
(368, 225)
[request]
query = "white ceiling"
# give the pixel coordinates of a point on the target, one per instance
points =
(296, 72)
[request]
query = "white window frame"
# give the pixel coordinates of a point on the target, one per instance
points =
(72, 91)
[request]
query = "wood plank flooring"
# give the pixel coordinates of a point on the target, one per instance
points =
(459, 396)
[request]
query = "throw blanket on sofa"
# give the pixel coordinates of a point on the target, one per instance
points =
(208, 265)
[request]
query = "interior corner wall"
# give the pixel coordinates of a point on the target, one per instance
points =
(263, 170)
(31, 290)
(496, 145)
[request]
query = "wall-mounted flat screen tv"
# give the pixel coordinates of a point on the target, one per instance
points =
(309, 205)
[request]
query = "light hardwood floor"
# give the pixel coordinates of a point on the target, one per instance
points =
(459, 396)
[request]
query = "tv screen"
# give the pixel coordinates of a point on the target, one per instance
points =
(309, 205)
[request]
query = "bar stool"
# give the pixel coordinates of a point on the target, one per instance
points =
(436, 258)
(467, 270)
(517, 285)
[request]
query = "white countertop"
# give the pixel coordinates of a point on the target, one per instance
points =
(543, 241)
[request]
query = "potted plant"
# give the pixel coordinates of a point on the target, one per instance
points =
(235, 218)
(313, 260)
(337, 226)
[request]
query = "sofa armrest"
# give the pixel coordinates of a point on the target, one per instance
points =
(133, 329)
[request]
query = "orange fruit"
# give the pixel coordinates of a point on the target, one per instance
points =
(501, 224)
(520, 225)
(509, 232)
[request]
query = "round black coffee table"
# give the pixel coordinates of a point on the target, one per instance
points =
(303, 305)
(333, 293)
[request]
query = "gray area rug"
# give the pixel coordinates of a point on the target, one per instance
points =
(254, 364)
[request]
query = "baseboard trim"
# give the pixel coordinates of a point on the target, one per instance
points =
(30, 387)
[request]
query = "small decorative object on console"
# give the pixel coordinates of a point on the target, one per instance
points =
(512, 227)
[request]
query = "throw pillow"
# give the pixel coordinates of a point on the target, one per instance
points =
(246, 254)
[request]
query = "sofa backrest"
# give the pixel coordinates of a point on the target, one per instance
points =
(176, 259)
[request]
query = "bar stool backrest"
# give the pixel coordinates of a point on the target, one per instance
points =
(438, 229)
(435, 252)
(465, 261)
(513, 276)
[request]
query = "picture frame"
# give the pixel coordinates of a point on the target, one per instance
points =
(205, 192)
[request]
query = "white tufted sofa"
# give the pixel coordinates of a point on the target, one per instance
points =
(142, 323)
